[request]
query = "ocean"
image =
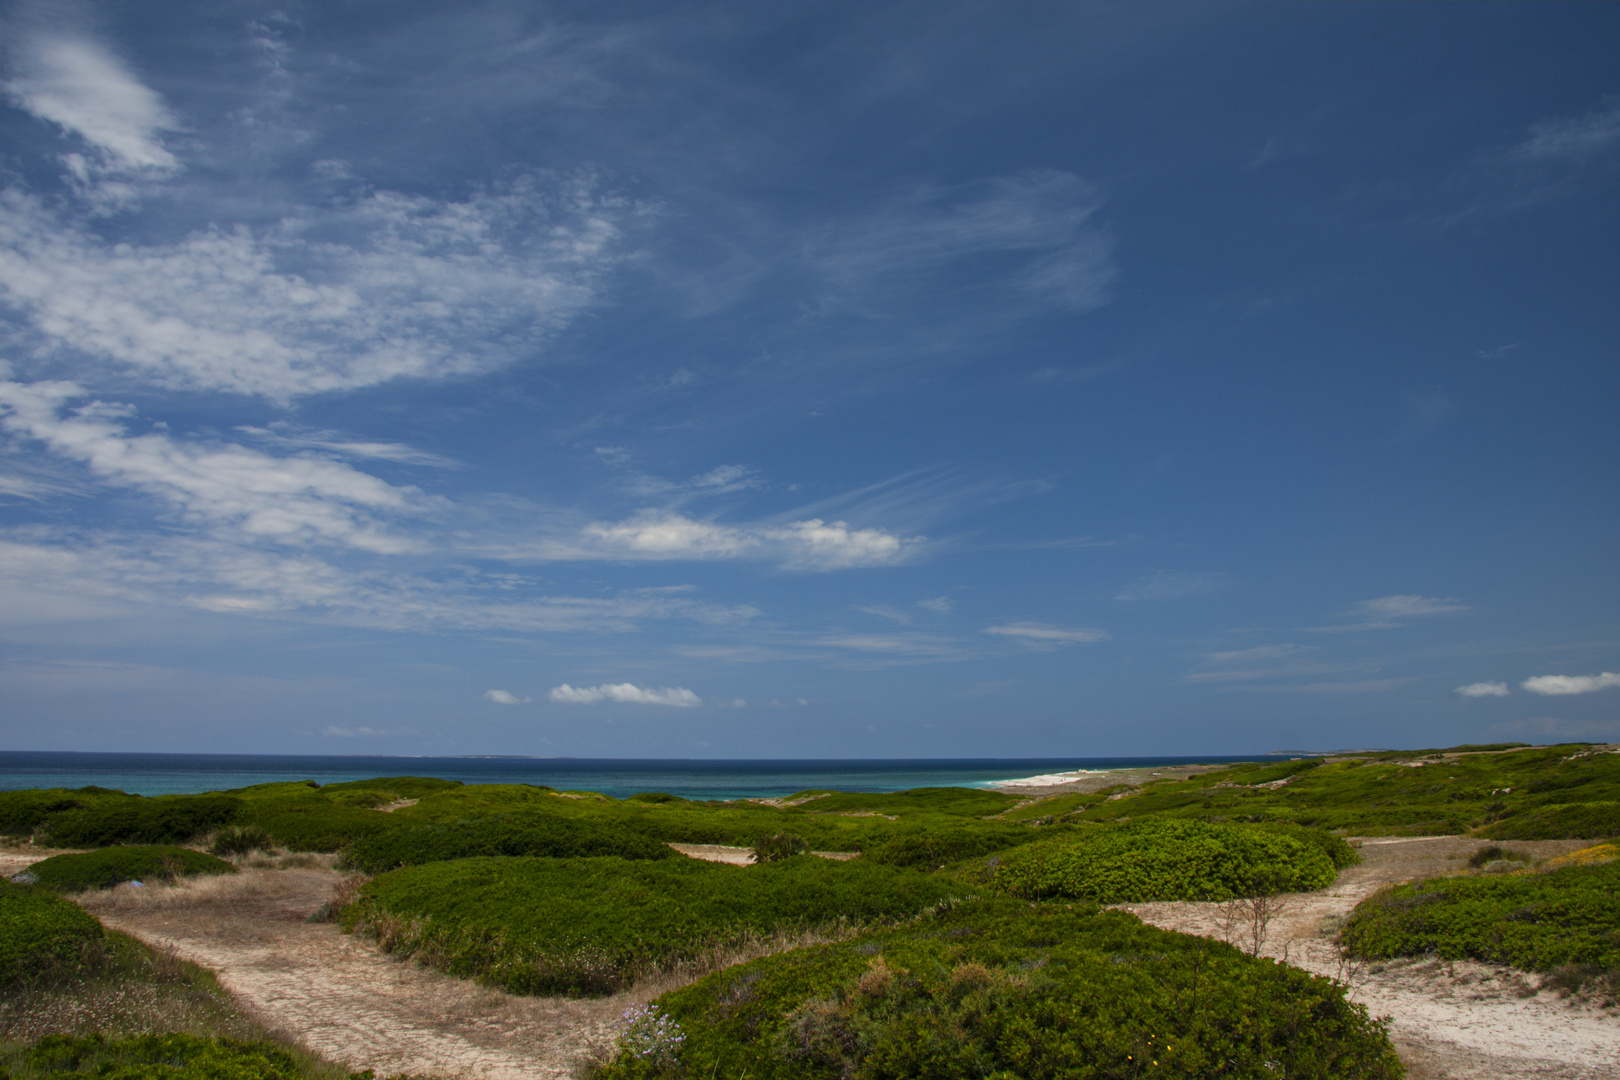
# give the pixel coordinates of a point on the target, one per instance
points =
(167, 774)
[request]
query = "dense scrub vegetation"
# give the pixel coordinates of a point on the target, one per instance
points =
(155, 1057)
(1159, 859)
(590, 926)
(42, 936)
(998, 990)
(530, 833)
(113, 866)
(1535, 921)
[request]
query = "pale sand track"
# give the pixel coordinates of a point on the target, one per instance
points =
(1461, 1021)
(338, 996)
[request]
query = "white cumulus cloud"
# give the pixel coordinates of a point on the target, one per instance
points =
(1484, 689)
(503, 697)
(1557, 685)
(627, 693)
(801, 545)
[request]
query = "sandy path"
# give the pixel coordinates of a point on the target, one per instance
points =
(337, 995)
(1461, 1021)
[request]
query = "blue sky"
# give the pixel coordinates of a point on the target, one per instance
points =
(808, 379)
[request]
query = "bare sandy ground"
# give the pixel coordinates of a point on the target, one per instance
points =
(1449, 1021)
(341, 997)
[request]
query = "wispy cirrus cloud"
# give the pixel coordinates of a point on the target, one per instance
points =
(1389, 612)
(1483, 689)
(1572, 138)
(504, 697)
(797, 545)
(1561, 685)
(79, 85)
(1174, 585)
(1037, 226)
(225, 487)
(626, 693)
(1045, 636)
(382, 287)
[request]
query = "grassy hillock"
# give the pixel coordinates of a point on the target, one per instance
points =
(1159, 859)
(1000, 990)
(113, 866)
(1534, 921)
(590, 926)
(42, 936)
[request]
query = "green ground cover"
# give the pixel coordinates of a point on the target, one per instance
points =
(531, 833)
(1566, 791)
(590, 926)
(42, 936)
(104, 868)
(1001, 990)
(1158, 859)
(1535, 921)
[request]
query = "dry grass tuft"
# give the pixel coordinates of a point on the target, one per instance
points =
(222, 890)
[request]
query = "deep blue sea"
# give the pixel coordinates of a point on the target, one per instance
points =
(162, 774)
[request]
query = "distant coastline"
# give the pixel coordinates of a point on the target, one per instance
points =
(690, 778)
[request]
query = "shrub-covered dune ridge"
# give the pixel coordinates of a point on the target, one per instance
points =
(1535, 921)
(1000, 990)
(1160, 859)
(530, 833)
(590, 926)
(113, 866)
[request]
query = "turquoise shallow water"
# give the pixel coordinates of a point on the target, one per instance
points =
(160, 774)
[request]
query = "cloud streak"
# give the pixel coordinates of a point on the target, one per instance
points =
(1561, 685)
(625, 693)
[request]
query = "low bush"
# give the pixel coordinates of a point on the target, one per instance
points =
(239, 840)
(156, 1057)
(113, 866)
(505, 834)
(1336, 848)
(1159, 859)
(955, 801)
(999, 990)
(1531, 921)
(779, 846)
(166, 819)
(42, 936)
(591, 926)
(1491, 854)
(1584, 821)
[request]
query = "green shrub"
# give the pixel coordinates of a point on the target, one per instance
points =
(42, 936)
(1161, 859)
(1578, 821)
(1532, 921)
(779, 846)
(1002, 990)
(239, 840)
(166, 819)
(591, 926)
(954, 801)
(112, 866)
(397, 787)
(314, 823)
(1491, 853)
(157, 1057)
(1336, 848)
(23, 812)
(933, 848)
(506, 834)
